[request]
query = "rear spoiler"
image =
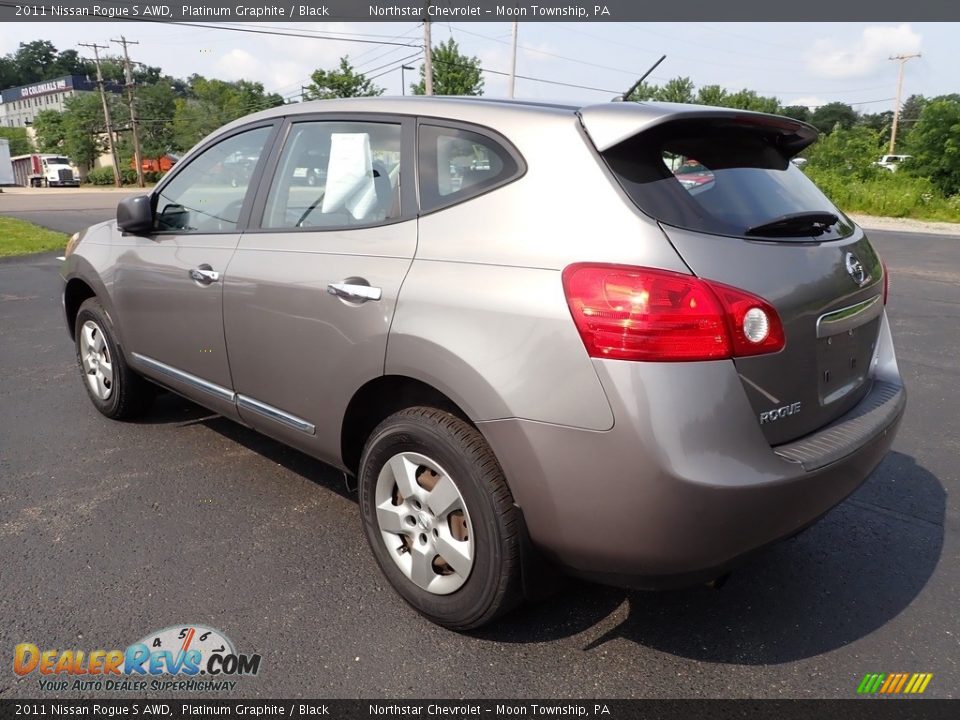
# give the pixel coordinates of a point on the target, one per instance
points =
(610, 124)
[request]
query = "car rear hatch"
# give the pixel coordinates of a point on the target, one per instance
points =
(722, 187)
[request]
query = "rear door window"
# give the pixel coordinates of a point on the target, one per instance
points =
(456, 164)
(336, 174)
(723, 179)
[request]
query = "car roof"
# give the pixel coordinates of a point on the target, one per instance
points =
(607, 123)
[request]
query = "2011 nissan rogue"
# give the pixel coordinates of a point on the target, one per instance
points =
(631, 340)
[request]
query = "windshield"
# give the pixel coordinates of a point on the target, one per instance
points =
(722, 179)
(57, 161)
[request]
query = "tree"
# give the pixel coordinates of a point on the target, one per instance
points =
(453, 73)
(644, 91)
(711, 95)
(156, 106)
(909, 115)
(39, 60)
(849, 152)
(935, 143)
(751, 100)
(19, 142)
(212, 103)
(881, 122)
(797, 112)
(35, 60)
(827, 117)
(678, 90)
(49, 129)
(84, 129)
(342, 82)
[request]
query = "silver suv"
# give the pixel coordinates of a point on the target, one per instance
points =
(632, 341)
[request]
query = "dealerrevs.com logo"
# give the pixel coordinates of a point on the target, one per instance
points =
(192, 658)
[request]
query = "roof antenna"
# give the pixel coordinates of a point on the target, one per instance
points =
(638, 83)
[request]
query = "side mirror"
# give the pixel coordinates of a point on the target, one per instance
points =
(134, 214)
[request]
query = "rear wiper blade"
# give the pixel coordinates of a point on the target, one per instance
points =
(801, 223)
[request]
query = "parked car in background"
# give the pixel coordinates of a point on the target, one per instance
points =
(692, 174)
(634, 343)
(892, 162)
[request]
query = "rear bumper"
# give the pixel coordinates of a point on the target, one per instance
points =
(684, 484)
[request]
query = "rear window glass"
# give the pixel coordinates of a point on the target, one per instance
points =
(723, 179)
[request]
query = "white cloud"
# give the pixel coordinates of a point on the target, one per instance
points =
(847, 58)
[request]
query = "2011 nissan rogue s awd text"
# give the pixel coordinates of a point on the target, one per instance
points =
(630, 340)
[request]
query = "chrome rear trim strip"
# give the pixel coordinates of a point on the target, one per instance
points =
(269, 411)
(839, 321)
(218, 391)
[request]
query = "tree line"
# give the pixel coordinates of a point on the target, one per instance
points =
(175, 113)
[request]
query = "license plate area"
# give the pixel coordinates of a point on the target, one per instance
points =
(843, 360)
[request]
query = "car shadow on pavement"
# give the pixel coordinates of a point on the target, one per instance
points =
(169, 408)
(840, 580)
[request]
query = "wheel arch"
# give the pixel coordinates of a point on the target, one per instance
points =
(75, 293)
(378, 399)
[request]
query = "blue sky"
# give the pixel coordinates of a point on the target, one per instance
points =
(802, 63)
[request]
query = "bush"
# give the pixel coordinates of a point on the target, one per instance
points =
(886, 194)
(100, 176)
(850, 152)
(128, 176)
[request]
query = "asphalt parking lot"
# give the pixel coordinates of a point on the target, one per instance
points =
(111, 530)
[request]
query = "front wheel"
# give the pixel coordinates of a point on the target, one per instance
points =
(115, 390)
(440, 518)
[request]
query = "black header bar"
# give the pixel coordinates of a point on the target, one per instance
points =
(274, 11)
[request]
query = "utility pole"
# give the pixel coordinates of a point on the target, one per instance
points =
(303, 93)
(902, 59)
(106, 109)
(513, 60)
(428, 60)
(132, 102)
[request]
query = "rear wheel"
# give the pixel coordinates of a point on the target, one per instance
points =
(115, 390)
(440, 518)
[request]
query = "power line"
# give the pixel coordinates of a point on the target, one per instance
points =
(396, 37)
(395, 67)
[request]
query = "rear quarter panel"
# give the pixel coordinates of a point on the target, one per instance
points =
(482, 314)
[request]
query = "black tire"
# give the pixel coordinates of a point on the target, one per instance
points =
(493, 586)
(130, 395)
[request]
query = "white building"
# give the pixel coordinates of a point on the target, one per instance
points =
(20, 105)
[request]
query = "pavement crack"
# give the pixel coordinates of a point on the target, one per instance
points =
(906, 517)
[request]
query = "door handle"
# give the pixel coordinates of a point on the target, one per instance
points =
(204, 275)
(355, 292)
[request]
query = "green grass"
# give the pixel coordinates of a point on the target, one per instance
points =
(18, 237)
(886, 194)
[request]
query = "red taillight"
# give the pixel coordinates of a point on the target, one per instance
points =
(634, 313)
(886, 280)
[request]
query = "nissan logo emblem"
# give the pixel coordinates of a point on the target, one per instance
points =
(855, 269)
